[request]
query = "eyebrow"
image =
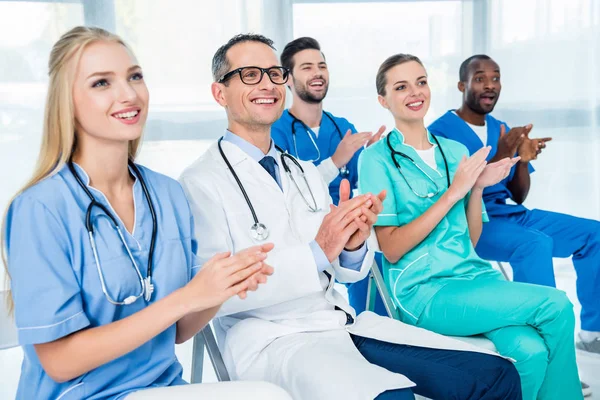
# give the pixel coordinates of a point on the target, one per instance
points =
(106, 73)
(482, 71)
(312, 63)
(419, 78)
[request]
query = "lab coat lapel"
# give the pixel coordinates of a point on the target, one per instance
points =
(249, 171)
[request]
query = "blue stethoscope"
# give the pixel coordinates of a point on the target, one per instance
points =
(147, 288)
(344, 169)
(395, 153)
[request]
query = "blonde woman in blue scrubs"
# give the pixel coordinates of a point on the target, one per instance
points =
(103, 292)
(431, 220)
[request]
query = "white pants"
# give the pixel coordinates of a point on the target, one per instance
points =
(244, 390)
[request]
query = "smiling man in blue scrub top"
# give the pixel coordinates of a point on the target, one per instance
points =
(308, 132)
(528, 239)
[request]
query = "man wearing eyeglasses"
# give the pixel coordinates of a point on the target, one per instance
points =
(298, 332)
(306, 131)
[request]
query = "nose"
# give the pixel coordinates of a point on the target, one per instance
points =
(265, 82)
(127, 93)
(489, 84)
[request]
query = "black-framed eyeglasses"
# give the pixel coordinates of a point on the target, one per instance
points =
(253, 75)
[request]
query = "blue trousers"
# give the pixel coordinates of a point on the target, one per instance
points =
(530, 239)
(443, 374)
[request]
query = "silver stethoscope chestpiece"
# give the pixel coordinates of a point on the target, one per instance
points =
(344, 171)
(259, 231)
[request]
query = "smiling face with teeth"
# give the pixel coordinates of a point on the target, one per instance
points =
(110, 97)
(250, 107)
(310, 76)
(407, 93)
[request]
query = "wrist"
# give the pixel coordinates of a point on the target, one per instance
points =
(450, 198)
(477, 190)
(355, 247)
(336, 161)
(184, 302)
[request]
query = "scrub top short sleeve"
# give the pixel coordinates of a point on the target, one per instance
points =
(373, 177)
(39, 259)
(195, 263)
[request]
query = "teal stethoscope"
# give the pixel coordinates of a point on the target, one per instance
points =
(147, 288)
(344, 169)
(395, 153)
(258, 230)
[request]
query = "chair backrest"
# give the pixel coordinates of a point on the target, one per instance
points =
(377, 286)
(8, 330)
(206, 338)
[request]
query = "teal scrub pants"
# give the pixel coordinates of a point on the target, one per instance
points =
(531, 324)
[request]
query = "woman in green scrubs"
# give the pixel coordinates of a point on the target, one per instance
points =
(432, 219)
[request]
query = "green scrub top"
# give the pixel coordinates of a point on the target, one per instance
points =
(447, 252)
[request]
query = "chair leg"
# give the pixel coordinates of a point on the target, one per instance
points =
(503, 270)
(197, 358)
(215, 355)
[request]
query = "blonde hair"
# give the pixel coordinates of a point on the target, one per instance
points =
(58, 140)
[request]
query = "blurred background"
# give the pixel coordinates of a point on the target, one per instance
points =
(548, 52)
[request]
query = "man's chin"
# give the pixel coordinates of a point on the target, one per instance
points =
(314, 98)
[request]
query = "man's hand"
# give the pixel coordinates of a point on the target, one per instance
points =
(367, 218)
(341, 223)
(351, 143)
(510, 142)
(531, 148)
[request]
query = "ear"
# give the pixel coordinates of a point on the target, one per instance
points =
(217, 92)
(461, 86)
(383, 102)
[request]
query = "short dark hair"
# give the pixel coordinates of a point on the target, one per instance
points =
(220, 63)
(296, 46)
(463, 72)
(389, 63)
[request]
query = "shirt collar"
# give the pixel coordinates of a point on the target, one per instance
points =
(400, 138)
(254, 152)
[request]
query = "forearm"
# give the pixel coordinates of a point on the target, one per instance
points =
(397, 241)
(296, 275)
(74, 355)
(192, 323)
(520, 183)
(474, 212)
(328, 170)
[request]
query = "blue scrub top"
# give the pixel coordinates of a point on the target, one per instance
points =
(56, 286)
(327, 141)
(453, 127)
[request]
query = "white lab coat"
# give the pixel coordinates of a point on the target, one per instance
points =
(288, 331)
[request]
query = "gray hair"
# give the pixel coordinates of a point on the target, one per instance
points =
(220, 63)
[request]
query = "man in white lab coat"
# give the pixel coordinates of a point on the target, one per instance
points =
(297, 331)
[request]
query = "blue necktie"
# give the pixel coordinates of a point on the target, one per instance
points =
(268, 163)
